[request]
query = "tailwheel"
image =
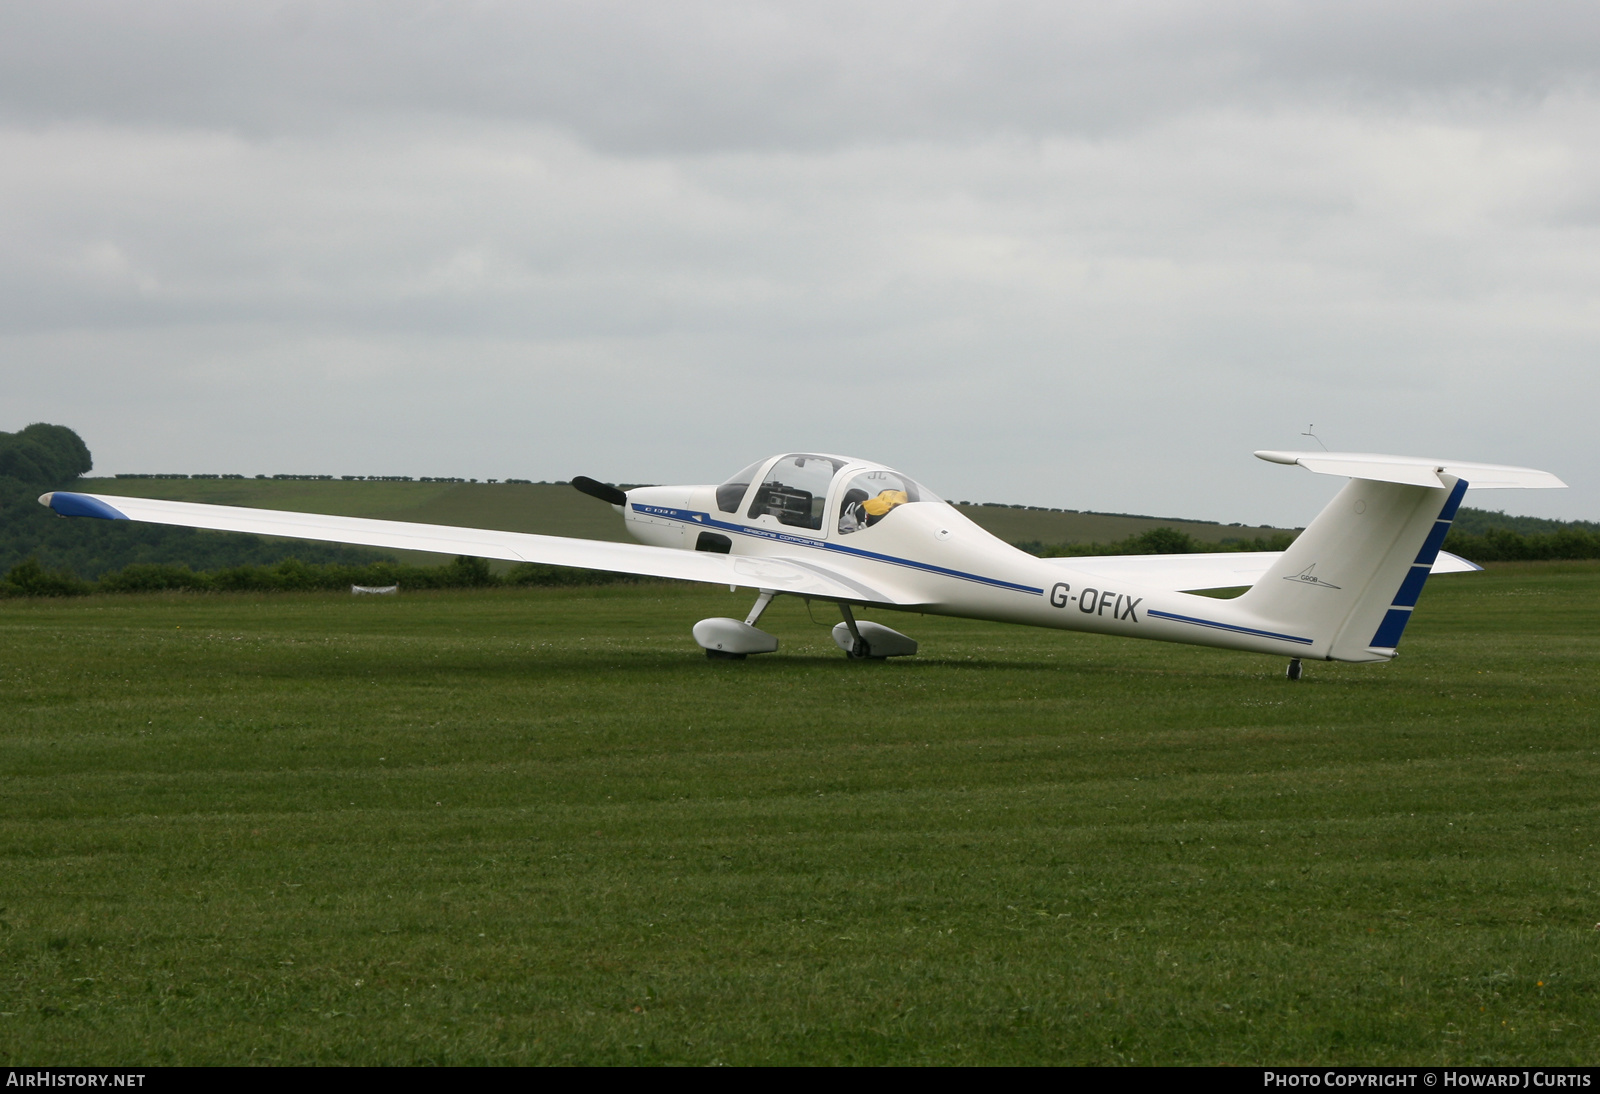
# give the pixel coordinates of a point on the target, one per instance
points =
(724, 655)
(1294, 670)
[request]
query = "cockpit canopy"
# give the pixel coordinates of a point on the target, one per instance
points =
(796, 489)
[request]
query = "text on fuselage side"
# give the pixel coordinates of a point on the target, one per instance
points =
(1096, 601)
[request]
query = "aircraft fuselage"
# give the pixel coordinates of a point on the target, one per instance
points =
(942, 563)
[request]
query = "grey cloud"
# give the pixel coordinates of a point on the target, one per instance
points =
(701, 77)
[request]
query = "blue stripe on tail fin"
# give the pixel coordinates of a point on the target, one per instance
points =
(1405, 598)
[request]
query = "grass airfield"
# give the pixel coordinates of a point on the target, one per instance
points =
(536, 826)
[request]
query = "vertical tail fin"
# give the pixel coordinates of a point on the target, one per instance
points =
(1353, 576)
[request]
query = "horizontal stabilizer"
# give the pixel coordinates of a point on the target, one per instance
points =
(1416, 470)
(1213, 570)
(800, 575)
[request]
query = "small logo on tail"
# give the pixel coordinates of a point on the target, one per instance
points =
(1306, 577)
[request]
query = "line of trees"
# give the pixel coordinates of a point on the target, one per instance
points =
(1505, 545)
(1476, 522)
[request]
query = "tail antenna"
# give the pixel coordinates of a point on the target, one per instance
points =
(1313, 436)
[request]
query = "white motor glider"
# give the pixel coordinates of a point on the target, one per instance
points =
(861, 535)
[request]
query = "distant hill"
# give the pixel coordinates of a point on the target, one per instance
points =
(541, 508)
(1052, 527)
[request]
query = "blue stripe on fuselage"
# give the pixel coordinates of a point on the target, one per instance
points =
(706, 520)
(1214, 625)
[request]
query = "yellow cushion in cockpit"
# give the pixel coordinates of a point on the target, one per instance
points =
(885, 501)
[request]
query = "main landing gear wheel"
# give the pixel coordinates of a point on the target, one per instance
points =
(1294, 669)
(731, 640)
(869, 641)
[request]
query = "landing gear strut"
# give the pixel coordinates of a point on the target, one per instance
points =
(1294, 669)
(760, 606)
(859, 648)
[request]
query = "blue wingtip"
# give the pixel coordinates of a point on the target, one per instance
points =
(79, 505)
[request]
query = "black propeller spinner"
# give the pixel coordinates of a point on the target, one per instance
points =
(585, 485)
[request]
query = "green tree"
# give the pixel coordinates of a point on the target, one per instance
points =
(28, 578)
(1165, 541)
(43, 455)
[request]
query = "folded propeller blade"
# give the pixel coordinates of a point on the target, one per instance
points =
(586, 485)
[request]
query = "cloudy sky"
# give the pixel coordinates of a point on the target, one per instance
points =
(1080, 255)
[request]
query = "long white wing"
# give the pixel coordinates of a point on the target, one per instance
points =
(1214, 570)
(800, 576)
